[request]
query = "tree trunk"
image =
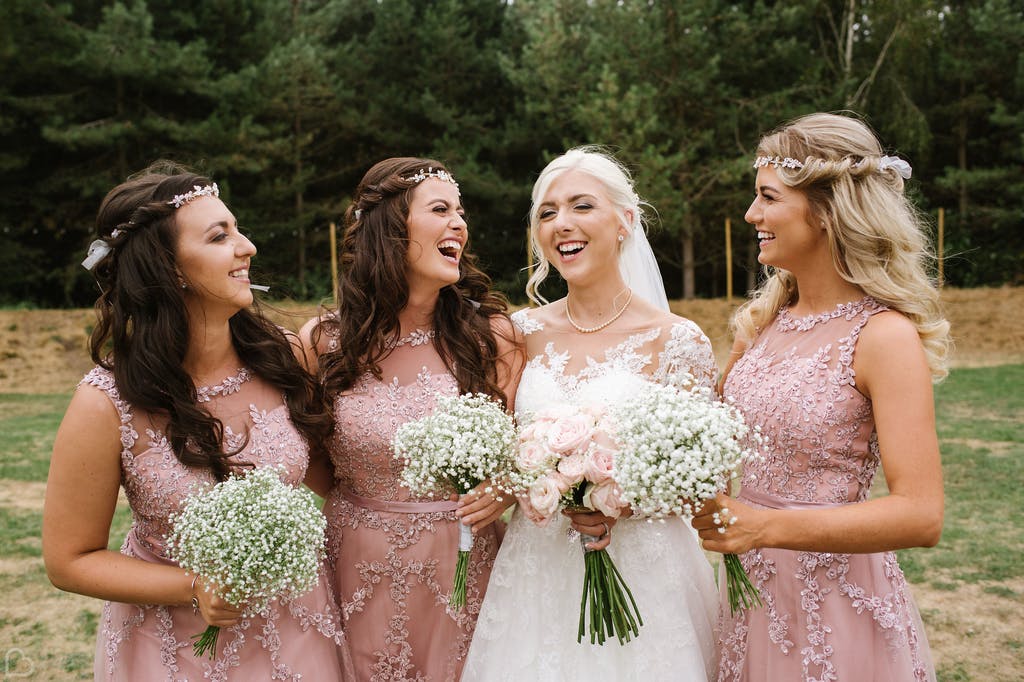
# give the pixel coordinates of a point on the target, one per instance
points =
(689, 290)
(297, 152)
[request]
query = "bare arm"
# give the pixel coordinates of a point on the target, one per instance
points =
(320, 472)
(891, 370)
(81, 493)
(483, 505)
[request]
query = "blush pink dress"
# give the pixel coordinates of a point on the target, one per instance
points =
(826, 616)
(300, 639)
(394, 553)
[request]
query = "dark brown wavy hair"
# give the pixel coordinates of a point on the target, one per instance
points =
(373, 290)
(143, 330)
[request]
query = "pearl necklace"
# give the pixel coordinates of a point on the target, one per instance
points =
(591, 330)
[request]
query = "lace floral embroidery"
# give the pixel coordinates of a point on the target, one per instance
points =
(232, 384)
(525, 322)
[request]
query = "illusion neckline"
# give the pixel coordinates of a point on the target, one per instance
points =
(786, 321)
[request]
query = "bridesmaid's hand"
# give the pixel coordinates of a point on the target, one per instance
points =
(482, 506)
(739, 520)
(594, 524)
(214, 610)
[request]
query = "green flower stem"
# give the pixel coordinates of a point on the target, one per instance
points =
(458, 597)
(612, 608)
(742, 593)
(206, 642)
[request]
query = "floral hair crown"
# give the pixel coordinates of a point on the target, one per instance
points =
(99, 248)
(180, 200)
(886, 162)
(431, 172)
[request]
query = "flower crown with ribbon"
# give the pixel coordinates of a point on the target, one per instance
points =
(99, 248)
(886, 162)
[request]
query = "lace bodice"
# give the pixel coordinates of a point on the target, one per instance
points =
(156, 483)
(368, 414)
(676, 353)
(797, 384)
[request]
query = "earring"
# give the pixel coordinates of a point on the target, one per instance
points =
(184, 286)
(621, 238)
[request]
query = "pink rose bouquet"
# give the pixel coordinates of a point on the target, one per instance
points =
(566, 454)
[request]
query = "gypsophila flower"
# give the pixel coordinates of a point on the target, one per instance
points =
(679, 447)
(466, 440)
(254, 537)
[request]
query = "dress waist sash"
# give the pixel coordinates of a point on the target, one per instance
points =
(375, 504)
(763, 499)
(140, 551)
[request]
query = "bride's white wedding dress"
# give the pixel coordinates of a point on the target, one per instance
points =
(529, 619)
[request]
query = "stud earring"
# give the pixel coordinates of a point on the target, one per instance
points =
(184, 286)
(621, 238)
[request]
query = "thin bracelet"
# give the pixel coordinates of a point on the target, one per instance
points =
(195, 599)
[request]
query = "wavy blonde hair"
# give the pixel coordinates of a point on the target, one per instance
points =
(876, 236)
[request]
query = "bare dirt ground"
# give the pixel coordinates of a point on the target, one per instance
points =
(44, 351)
(974, 633)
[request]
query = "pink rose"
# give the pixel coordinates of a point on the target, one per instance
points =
(598, 465)
(571, 466)
(605, 499)
(571, 434)
(544, 495)
(533, 457)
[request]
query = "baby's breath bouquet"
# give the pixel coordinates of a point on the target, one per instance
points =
(678, 448)
(254, 538)
(466, 440)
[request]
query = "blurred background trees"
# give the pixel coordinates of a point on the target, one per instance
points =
(286, 103)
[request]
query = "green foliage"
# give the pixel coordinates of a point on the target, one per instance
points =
(286, 103)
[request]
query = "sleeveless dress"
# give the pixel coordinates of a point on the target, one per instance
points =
(528, 625)
(394, 553)
(301, 639)
(825, 616)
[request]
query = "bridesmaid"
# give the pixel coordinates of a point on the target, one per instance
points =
(415, 319)
(834, 361)
(190, 385)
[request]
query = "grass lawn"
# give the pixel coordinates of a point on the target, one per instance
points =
(970, 588)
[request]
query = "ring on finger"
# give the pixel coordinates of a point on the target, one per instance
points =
(723, 519)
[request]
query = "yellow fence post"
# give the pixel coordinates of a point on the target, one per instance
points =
(334, 263)
(942, 234)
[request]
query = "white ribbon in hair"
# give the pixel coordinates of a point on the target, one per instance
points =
(897, 164)
(97, 252)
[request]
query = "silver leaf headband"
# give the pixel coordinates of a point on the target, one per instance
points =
(430, 172)
(180, 200)
(100, 248)
(886, 162)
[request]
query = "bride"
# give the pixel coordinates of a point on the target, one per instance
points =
(599, 344)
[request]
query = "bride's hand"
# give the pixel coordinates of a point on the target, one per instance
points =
(482, 506)
(594, 524)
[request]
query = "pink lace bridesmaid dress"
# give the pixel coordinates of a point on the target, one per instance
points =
(826, 616)
(300, 639)
(394, 554)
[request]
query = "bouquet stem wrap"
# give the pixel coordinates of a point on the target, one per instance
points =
(604, 609)
(458, 597)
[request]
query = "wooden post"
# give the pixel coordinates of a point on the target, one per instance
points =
(942, 235)
(728, 260)
(334, 263)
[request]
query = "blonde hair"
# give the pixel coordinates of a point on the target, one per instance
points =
(876, 236)
(598, 163)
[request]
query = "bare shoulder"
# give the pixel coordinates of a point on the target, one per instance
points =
(889, 348)
(311, 336)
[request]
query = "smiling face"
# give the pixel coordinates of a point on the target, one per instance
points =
(212, 256)
(782, 216)
(437, 235)
(579, 227)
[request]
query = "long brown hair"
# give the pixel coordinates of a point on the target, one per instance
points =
(143, 330)
(373, 290)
